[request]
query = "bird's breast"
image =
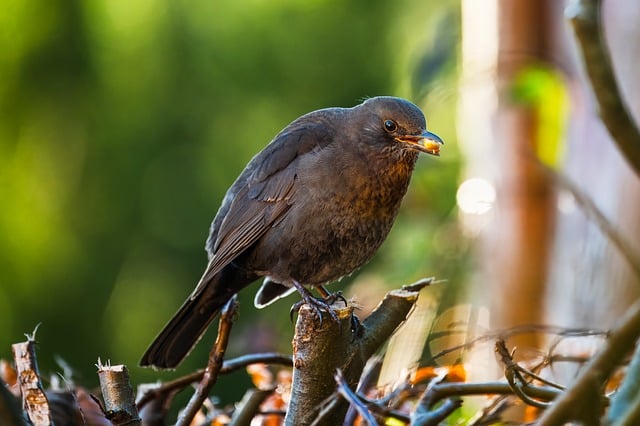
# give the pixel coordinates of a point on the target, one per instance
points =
(338, 219)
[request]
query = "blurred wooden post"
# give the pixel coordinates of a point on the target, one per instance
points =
(501, 38)
(521, 234)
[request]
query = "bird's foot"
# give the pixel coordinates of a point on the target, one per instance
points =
(317, 304)
(331, 298)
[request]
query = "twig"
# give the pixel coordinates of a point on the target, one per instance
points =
(445, 390)
(582, 401)
(592, 211)
(385, 319)
(367, 380)
(154, 413)
(214, 363)
(354, 401)
(382, 407)
(248, 407)
(514, 374)
(585, 17)
(119, 401)
(434, 417)
(420, 284)
(228, 366)
(492, 413)
(427, 398)
(517, 388)
(522, 329)
(34, 400)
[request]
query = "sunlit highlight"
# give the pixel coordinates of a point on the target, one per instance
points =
(476, 196)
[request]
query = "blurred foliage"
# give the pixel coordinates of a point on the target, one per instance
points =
(543, 88)
(123, 123)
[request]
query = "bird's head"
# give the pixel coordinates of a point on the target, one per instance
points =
(399, 123)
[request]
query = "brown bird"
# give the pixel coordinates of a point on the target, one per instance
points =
(313, 206)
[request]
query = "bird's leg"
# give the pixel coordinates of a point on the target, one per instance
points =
(329, 297)
(315, 303)
(356, 326)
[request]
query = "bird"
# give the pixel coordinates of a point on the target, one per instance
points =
(309, 209)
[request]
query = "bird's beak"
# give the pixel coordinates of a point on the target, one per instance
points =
(424, 142)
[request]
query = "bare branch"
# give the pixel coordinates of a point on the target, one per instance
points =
(594, 213)
(34, 400)
(318, 350)
(354, 401)
(585, 17)
(213, 365)
(435, 417)
(248, 407)
(522, 329)
(583, 400)
(228, 366)
(119, 401)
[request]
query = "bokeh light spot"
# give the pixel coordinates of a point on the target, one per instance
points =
(476, 196)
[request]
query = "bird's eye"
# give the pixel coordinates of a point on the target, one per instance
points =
(390, 126)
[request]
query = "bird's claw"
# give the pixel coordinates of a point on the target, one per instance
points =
(317, 305)
(333, 297)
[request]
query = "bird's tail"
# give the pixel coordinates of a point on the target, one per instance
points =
(187, 326)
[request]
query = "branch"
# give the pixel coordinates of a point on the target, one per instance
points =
(585, 17)
(423, 417)
(522, 329)
(583, 400)
(247, 408)
(119, 402)
(34, 400)
(350, 353)
(318, 350)
(228, 366)
(386, 318)
(214, 364)
(367, 381)
(354, 400)
(446, 390)
(592, 211)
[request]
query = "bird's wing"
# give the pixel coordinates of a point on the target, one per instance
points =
(261, 195)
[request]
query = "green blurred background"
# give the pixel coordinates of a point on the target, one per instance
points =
(123, 123)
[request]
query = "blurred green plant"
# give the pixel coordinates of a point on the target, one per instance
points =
(544, 89)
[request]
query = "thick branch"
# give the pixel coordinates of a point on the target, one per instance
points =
(318, 350)
(367, 339)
